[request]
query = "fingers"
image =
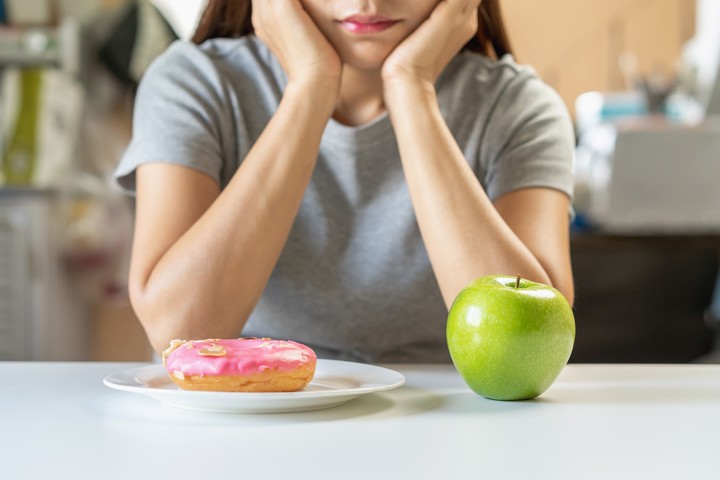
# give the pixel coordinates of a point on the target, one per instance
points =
(464, 6)
(271, 19)
(472, 6)
(290, 33)
(461, 16)
(275, 11)
(428, 50)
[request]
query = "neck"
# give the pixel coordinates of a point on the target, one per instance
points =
(361, 97)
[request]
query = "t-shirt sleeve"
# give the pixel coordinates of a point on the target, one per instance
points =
(530, 141)
(177, 117)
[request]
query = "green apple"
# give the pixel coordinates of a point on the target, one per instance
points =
(510, 338)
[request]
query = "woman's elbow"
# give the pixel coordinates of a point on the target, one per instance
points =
(567, 289)
(157, 334)
(569, 294)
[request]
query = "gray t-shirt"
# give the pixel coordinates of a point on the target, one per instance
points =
(354, 280)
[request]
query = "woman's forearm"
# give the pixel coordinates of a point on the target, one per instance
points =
(464, 234)
(207, 282)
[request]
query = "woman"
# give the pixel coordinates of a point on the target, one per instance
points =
(337, 176)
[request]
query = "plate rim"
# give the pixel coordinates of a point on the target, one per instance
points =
(399, 381)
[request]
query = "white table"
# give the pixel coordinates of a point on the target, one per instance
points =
(58, 420)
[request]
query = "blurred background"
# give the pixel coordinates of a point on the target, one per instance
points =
(639, 77)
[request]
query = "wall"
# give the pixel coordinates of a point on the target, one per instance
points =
(182, 14)
(575, 44)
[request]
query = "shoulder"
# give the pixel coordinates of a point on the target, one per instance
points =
(216, 51)
(520, 125)
(488, 82)
(485, 72)
(247, 53)
(214, 61)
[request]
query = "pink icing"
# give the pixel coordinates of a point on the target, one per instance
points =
(243, 356)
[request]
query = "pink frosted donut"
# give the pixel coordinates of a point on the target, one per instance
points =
(240, 365)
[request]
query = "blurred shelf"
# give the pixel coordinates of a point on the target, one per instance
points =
(50, 47)
(9, 58)
(17, 191)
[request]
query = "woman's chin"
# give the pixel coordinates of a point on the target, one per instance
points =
(367, 59)
(364, 64)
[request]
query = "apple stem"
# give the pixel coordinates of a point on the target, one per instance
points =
(517, 282)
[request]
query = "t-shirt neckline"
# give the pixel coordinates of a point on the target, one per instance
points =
(372, 131)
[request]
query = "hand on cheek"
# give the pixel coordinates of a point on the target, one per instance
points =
(427, 51)
(303, 51)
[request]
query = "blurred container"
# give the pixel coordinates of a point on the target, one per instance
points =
(595, 108)
(19, 160)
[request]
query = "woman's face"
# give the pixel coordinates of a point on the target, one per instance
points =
(364, 32)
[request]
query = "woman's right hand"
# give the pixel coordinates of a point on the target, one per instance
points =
(303, 51)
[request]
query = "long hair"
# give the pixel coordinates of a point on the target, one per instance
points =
(232, 19)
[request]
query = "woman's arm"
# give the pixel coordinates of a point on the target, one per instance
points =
(201, 257)
(525, 232)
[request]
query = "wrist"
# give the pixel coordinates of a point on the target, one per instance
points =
(403, 94)
(321, 92)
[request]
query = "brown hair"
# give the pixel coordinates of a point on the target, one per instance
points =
(232, 18)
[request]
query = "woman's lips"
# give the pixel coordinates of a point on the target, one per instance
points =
(367, 24)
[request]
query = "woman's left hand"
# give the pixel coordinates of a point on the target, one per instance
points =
(427, 51)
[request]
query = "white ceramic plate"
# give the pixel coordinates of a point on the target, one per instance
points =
(335, 383)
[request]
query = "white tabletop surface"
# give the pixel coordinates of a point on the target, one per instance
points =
(58, 420)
